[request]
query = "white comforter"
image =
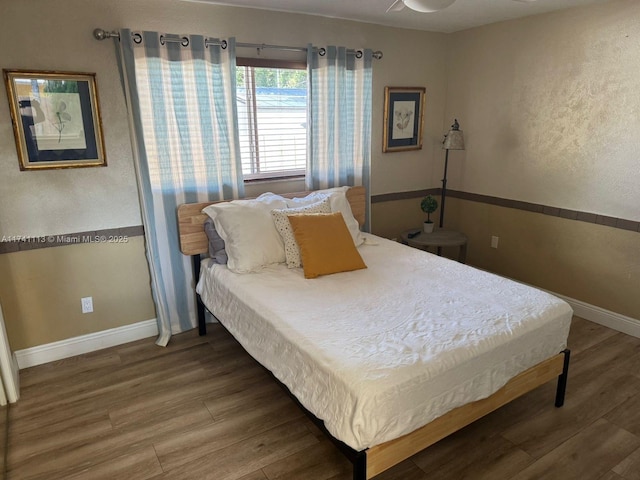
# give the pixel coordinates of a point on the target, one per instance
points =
(377, 353)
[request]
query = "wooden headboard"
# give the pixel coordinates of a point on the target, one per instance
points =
(193, 240)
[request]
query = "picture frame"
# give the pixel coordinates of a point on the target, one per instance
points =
(56, 119)
(403, 118)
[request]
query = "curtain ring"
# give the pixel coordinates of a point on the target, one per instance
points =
(137, 38)
(184, 42)
(161, 39)
(359, 53)
(322, 51)
(223, 44)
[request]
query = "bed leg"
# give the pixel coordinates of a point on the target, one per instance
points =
(562, 380)
(360, 466)
(202, 326)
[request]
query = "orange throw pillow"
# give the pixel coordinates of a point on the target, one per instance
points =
(326, 246)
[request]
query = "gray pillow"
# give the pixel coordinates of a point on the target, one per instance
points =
(216, 244)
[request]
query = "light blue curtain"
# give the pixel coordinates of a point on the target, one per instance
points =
(182, 111)
(339, 133)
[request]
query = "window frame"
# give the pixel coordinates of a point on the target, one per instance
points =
(272, 63)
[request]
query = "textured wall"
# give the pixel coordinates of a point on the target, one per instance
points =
(550, 107)
(42, 36)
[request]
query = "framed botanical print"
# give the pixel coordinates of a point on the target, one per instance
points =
(56, 119)
(403, 118)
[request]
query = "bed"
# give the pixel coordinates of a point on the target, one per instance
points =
(391, 358)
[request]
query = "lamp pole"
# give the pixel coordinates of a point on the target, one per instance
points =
(452, 141)
(444, 188)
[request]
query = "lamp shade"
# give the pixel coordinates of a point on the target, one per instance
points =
(427, 6)
(454, 140)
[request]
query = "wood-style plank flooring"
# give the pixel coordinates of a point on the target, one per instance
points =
(203, 409)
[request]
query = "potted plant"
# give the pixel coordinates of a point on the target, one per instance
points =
(428, 206)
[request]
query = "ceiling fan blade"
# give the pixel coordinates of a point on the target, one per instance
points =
(396, 6)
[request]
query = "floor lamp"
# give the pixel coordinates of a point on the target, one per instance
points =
(452, 141)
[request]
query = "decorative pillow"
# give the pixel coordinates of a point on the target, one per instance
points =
(339, 203)
(325, 243)
(216, 245)
(281, 220)
(249, 234)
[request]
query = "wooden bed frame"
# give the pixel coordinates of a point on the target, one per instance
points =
(375, 460)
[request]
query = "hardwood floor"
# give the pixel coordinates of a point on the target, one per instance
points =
(203, 409)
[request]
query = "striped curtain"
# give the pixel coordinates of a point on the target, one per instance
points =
(339, 134)
(181, 95)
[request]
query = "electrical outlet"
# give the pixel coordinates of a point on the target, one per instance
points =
(494, 241)
(87, 304)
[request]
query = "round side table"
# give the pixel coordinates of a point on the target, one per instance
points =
(438, 239)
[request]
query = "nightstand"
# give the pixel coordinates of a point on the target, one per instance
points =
(438, 239)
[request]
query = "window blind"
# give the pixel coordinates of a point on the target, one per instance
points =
(272, 121)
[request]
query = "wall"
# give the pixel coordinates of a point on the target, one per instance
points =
(41, 289)
(550, 107)
(551, 103)
(592, 263)
(43, 296)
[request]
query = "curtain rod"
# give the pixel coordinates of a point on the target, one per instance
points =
(100, 34)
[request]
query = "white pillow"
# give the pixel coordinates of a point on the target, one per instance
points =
(281, 221)
(339, 203)
(269, 197)
(250, 236)
(313, 197)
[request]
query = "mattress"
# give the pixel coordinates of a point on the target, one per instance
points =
(380, 352)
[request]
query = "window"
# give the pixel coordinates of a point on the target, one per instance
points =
(272, 117)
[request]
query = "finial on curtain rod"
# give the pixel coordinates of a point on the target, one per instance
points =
(101, 34)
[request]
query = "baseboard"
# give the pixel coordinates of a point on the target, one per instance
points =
(30, 357)
(616, 321)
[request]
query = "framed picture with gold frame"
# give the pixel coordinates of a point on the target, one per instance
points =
(403, 118)
(56, 120)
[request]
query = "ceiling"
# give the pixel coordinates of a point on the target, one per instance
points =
(461, 15)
